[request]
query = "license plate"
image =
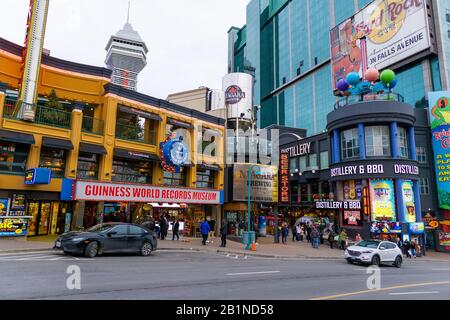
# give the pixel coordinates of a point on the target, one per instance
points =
(58, 244)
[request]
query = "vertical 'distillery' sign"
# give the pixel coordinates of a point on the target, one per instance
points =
(284, 178)
(439, 106)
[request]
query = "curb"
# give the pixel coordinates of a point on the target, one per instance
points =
(26, 250)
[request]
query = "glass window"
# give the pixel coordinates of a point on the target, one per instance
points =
(205, 179)
(13, 157)
(132, 171)
(403, 143)
(424, 186)
(293, 165)
(175, 179)
(313, 161)
(378, 141)
(324, 160)
(54, 159)
(421, 154)
(120, 230)
(302, 163)
(304, 194)
(136, 230)
(87, 166)
(350, 144)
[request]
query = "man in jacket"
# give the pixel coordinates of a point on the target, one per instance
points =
(162, 227)
(224, 233)
(176, 228)
(204, 230)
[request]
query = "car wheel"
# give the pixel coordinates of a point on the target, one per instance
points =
(91, 250)
(350, 261)
(398, 262)
(375, 261)
(146, 249)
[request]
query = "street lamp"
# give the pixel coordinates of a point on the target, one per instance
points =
(250, 171)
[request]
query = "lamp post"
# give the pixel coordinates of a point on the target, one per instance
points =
(250, 170)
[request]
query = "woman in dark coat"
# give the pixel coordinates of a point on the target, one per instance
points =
(224, 233)
(176, 228)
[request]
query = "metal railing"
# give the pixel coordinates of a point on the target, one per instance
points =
(43, 115)
(353, 99)
(135, 133)
(93, 125)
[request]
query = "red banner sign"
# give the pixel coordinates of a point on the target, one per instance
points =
(284, 177)
(116, 192)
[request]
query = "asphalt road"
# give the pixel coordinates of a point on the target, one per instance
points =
(172, 275)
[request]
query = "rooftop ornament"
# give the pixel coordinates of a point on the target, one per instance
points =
(373, 86)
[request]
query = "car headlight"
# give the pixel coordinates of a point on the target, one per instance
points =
(76, 239)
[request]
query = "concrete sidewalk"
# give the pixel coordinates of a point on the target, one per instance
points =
(265, 248)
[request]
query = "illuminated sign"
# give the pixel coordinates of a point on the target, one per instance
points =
(284, 177)
(382, 199)
(417, 228)
(13, 227)
(174, 153)
(38, 176)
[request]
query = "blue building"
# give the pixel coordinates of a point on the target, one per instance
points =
(286, 45)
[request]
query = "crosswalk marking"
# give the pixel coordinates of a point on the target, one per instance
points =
(36, 257)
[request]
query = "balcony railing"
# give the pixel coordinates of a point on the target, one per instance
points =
(353, 99)
(93, 125)
(135, 133)
(43, 115)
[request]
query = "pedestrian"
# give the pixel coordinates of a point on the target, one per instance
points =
(358, 238)
(166, 226)
(315, 236)
(162, 227)
(212, 225)
(343, 239)
(414, 249)
(407, 249)
(299, 232)
(308, 233)
(255, 228)
(400, 243)
(284, 233)
(204, 230)
(294, 233)
(175, 230)
(331, 237)
(224, 233)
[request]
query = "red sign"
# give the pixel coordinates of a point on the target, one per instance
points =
(284, 177)
(117, 192)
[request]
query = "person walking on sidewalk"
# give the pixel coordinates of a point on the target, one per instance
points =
(162, 227)
(414, 249)
(284, 233)
(204, 230)
(315, 238)
(358, 238)
(294, 233)
(175, 230)
(300, 232)
(224, 233)
(212, 225)
(343, 239)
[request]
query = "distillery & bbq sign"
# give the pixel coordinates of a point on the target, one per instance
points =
(374, 169)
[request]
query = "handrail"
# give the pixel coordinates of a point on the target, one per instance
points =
(353, 99)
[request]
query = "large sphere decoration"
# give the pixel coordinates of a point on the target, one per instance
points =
(391, 85)
(352, 78)
(342, 85)
(371, 75)
(387, 76)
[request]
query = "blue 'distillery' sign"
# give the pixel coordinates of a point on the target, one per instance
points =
(439, 105)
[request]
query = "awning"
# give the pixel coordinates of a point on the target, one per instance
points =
(189, 165)
(135, 155)
(92, 148)
(180, 124)
(140, 113)
(11, 136)
(57, 143)
(212, 167)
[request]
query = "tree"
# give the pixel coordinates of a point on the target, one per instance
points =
(52, 114)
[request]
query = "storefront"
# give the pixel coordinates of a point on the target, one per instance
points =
(376, 172)
(119, 202)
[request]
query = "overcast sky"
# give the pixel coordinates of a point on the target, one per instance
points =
(187, 39)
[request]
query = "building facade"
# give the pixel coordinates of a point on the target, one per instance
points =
(94, 153)
(286, 46)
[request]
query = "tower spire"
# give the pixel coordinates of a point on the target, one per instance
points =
(128, 16)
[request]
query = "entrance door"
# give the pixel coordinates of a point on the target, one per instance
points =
(44, 218)
(41, 213)
(33, 211)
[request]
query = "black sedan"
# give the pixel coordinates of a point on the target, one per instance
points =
(108, 238)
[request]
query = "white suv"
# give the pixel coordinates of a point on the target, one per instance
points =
(373, 252)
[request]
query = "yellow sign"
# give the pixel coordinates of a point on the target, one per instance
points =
(434, 224)
(387, 20)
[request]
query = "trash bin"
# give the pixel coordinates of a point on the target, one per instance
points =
(245, 237)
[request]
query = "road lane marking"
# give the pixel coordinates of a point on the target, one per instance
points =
(441, 269)
(409, 293)
(249, 273)
(342, 295)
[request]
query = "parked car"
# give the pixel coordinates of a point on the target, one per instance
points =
(374, 252)
(108, 238)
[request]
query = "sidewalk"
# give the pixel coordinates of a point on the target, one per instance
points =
(265, 248)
